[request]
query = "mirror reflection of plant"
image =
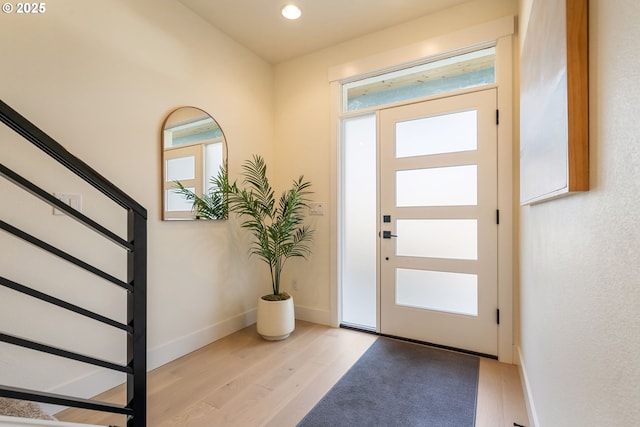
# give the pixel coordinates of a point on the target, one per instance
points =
(213, 204)
(277, 226)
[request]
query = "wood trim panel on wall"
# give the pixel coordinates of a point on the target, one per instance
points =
(578, 91)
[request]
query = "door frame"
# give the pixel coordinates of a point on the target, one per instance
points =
(500, 32)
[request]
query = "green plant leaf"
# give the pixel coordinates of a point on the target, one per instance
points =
(212, 205)
(277, 226)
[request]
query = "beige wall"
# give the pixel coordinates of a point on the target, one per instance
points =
(303, 128)
(579, 255)
(100, 77)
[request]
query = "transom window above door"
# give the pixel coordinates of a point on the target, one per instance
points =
(463, 71)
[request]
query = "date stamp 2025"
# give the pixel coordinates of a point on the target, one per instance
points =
(24, 8)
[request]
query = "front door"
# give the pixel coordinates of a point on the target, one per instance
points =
(438, 201)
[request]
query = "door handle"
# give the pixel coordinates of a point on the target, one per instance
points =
(387, 235)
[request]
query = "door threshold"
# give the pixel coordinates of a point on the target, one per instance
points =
(428, 344)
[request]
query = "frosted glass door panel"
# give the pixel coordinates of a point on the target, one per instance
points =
(447, 133)
(448, 186)
(437, 238)
(181, 168)
(359, 236)
(437, 290)
(176, 202)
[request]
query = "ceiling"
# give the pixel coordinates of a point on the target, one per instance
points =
(258, 24)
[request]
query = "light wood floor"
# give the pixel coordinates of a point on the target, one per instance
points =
(245, 381)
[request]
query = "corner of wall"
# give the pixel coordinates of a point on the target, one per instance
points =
(314, 315)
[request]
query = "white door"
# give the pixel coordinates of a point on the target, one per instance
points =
(438, 201)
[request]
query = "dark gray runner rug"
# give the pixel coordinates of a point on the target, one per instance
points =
(402, 384)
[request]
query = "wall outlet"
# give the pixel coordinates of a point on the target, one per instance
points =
(295, 285)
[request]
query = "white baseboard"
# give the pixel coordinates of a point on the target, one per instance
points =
(313, 315)
(102, 380)
(85, 387)
(184, 345)
(526, 388)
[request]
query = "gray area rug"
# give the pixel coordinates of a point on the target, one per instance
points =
(402, 384)
(22, 409)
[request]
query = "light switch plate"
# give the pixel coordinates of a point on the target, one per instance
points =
(73, 200)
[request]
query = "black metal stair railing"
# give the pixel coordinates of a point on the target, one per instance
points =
(135, 286)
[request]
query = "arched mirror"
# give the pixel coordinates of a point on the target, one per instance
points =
(194, 161)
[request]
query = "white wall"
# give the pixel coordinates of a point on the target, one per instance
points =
(100, 77)
(580, 274)
(303, 130)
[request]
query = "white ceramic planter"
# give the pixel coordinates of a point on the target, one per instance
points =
(276, 319)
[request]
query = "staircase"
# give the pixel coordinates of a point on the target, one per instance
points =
(134, 245)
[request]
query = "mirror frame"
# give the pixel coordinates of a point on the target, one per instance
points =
(194, 149)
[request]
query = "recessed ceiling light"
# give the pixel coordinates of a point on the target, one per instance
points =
(291, 11)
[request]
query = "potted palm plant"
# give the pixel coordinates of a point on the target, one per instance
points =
(279, 233)
(277, 227)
